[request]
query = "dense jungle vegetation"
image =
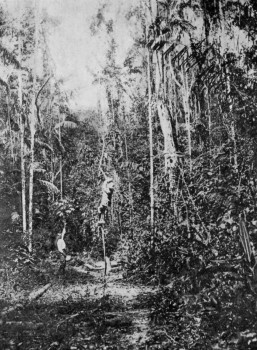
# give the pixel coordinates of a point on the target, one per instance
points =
(176, 130)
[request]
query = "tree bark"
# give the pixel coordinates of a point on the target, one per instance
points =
(170, 153)
(60, 163)
(185, 98)
(150, 143)
(23, 174)
(9, 120)
(228, 84)
(32, 134)
(129, 182)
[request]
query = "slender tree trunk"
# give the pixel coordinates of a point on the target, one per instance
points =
(61, 176)
(165, 117)
(9, 121)
(150, 144)
(51, 195)
(32, 134)
(209, 117)
(186, 105)
(23, 173)
(31, 179)
(60, 164)
(113, 114)
(52, 159)
(170, 153)
(129, 183)
(228, 84)
(148, 9)
(233, 128)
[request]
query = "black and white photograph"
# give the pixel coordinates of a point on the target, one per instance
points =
(128, 174)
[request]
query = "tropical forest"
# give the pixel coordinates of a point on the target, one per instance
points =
(128, 174)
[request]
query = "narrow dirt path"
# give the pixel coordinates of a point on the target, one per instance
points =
(81, 310)
(117, 309)
(79, 317)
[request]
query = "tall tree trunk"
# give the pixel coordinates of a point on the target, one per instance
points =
(51, 195)
(231, 115)
(31, 177)
(129, 182)
(150, 122)
(9, 120)
(186, 105)
(207, 98)
(23, 174)
(32, 134)
(61, 178)
(228, 84)
(150, 144)
(165, 117)
(170, 152)
(60, 163)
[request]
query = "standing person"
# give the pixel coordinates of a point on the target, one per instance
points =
(61, 246)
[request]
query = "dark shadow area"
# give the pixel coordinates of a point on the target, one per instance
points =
(100, 323)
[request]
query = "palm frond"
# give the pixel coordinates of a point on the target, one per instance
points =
(44, 145)
(50, 186)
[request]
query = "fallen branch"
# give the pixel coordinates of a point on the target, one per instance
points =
(90, 267)
(101, 265)
(32, 297)
(71, 317)
(116, 314)
(37, 294)
(78, 269)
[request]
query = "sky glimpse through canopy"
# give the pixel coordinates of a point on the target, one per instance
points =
(76, 53)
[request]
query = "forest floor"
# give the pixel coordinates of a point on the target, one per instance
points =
(78, 310)
(41, 309)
